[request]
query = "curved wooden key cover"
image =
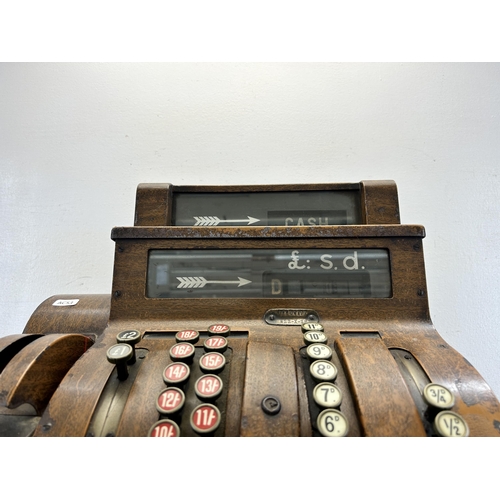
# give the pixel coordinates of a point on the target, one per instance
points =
(34, 373)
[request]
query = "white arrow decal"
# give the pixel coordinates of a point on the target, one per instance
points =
(200, 282)
(213, 220)
(192, 282)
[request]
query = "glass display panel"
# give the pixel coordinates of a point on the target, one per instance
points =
(280, 208)
(278, 273)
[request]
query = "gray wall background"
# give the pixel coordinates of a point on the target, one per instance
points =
(76, 139)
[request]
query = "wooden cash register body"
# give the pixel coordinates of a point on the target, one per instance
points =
(55, 379)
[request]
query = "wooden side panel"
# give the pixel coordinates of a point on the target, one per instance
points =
(11, 345)
(34, 373)
(474, 399)
(71, 407)
(153, 205)
(379, 202)
(385, 406)
(88, 316)
(270, 371)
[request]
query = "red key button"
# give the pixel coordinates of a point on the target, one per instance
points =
(205, 418)
(176, 373)
(208, 387)
(215, 343)
(170, 401)
(190, 336)
(182, 351)
(212, 362)
(219, 329)
(164, 429)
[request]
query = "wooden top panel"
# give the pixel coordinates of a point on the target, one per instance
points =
(255, 188)
(392, 231)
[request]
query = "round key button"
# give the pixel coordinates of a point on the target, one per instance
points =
(315, 337)
(164, 428)
(215, 343)
(332, 423)
(212, 362)
(327, 395)
(319, 351)
(119, 355)
(208, 387)
(182, 352)
(323, 371)
(438, 396)
(129, 337)
(176, 373)
(170, 401)
(205, 418)
(450, 424)
(316, 327)
(190, 336)
(219, 329)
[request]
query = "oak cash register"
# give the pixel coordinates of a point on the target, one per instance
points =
(249, 311)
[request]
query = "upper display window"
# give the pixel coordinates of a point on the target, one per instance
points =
(273, 208)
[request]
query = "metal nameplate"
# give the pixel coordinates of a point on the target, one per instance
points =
(290, 317)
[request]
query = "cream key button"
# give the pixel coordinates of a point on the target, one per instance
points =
(438, 396)
(327, 395)
(450, 424)
(319, 351)
(323, 371)
(332, 423)
(312, 326)
(315, 338)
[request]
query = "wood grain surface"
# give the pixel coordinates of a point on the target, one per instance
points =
(72, 385)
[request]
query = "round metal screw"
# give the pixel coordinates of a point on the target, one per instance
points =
(271, 405)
